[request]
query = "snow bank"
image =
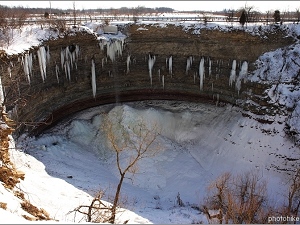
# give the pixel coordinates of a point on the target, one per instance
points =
(280, 69)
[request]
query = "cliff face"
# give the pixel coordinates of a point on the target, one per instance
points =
(40, 104)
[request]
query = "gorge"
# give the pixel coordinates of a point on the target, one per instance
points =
(225, 98)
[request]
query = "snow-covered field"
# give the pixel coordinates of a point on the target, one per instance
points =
(69, 164)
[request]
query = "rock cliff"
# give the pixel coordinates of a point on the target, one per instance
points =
(43, 101)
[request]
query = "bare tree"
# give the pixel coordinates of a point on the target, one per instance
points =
(293, 205)
(74, 13)
(130, 145)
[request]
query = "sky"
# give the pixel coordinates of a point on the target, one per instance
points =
(177, 5)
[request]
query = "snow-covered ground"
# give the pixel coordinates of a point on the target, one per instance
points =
(69, 164)
(66, 166)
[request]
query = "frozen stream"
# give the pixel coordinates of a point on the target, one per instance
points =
(198, 142)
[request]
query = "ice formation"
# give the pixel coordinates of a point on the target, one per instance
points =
(232, 73)
(93, 78)
(151, 62)
(170, 65)
(189, 63)
(57, 73)
(242, 75)
(163, 81)
(128, 61)
(27, 65)
(201, 73)
(114, 47)
(42, 56)
(62, 58)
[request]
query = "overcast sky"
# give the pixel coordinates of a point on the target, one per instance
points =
(177, 5)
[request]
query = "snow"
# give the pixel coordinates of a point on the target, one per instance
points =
(198, 142)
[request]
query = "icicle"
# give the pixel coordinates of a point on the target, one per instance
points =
(26, 67)
(93, 78)
(201, 73)
(42, 61)
(128, 63)
(111, 51)
(170, 65)
(232, 73)
(212, 87)
(30, 63)
(194, 77)
(102, 62)
(57, 72)
(113, 48)
(66, 71)
(1, 92)
(163, 81)
(62, 58)
(69, 71)
(243, 73)
(151, 62)
(189, 62)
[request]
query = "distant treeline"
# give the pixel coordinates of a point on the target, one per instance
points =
(55, 11)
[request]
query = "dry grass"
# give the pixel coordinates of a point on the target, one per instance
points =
(9, 176)
(3, 205)
(38, 214)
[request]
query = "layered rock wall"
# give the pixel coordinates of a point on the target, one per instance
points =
(37, 105)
